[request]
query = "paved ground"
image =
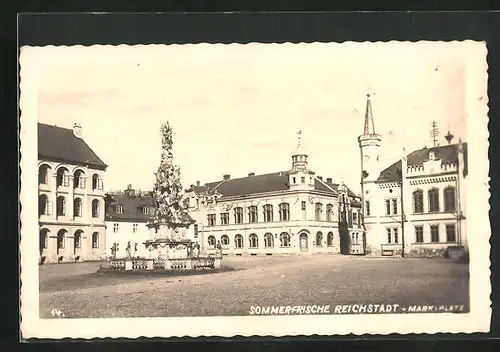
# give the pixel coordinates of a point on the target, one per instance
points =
(78, 291)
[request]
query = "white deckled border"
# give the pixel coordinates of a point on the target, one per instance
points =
(478, 320)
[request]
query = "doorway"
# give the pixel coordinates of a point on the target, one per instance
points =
(303, 242)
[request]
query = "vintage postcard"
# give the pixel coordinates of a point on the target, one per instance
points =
(254, 189)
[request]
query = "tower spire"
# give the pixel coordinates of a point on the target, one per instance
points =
(369, 125)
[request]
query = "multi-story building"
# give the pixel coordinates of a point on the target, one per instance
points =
(127, 216)
(287, 212)
(71, 197)
(417, 204)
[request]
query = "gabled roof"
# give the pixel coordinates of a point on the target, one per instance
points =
(256, 184)
(132, 207)
(60, 144)
(445, 153)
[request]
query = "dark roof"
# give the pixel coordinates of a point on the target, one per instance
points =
(271, 182)
(132, 207)
(446, 153)
(60, 144)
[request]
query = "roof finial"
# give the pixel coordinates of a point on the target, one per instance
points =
(369, 125)
(299, 139)
(449, 137)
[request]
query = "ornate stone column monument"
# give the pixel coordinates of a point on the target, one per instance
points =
(170, 245)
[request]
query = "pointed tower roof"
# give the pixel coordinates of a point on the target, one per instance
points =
(369, 125)
(369, 136)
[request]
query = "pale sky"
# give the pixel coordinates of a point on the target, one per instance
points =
(236, 108)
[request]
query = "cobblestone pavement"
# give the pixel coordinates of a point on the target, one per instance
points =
(78, 291)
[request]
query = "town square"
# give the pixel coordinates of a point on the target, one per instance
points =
(77, 291)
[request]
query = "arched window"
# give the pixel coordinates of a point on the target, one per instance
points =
(62, 177)
(43, 175)
(433, 195)
(77, 207)
(43, 205)
(268, 213)
(329, 239)
(238, 215)
(238, 241)
(253, 241)
(79, 179)
(252, 214)
(449, 200)
(319, 239)
(95, 240)
(329, 212)
(78, 239)
(211, 242)
(284, 239)
(318, 211)
(418, 201)
(268, 240)
(44, 238)
(284, 210)
(61, 239)
(224, 241)
(61, 206)
(96, 208)
(96, 182)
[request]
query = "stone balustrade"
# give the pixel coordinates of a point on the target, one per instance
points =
(169, 264)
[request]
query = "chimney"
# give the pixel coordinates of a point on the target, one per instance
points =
(251, 174)
(77, 130)
(226, 177)
(198, 183)
(329, 180)
(320, 178)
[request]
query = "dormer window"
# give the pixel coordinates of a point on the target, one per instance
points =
(119, 209)
(432, 156)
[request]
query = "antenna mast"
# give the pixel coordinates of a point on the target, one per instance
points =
(434, 133)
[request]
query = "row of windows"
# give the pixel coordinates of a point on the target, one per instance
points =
(145, 210)
(45, 206)
(268, 214)
(434, 202)
(253, 240)
(391, 205)
(451, 233)
(116, 227)
(61, 239)
(392, 234)
(63, 178)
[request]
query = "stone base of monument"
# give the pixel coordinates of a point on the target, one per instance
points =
(166, 255)
(157, 265)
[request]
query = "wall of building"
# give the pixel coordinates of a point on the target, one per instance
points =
(54, 222)
(302, 222)
(378, 222)
(123, 232)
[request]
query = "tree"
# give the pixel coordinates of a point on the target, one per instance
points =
(167, 190)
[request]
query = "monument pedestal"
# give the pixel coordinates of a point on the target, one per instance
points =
(170, 249)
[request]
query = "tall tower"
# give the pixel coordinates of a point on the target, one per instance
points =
(300, 175)
(369, 144)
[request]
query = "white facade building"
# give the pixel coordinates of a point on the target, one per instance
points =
(70, 195)
(417, 203)
(127, 216)
(280, 213)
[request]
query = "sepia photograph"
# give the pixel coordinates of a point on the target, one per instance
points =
(257, 189)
